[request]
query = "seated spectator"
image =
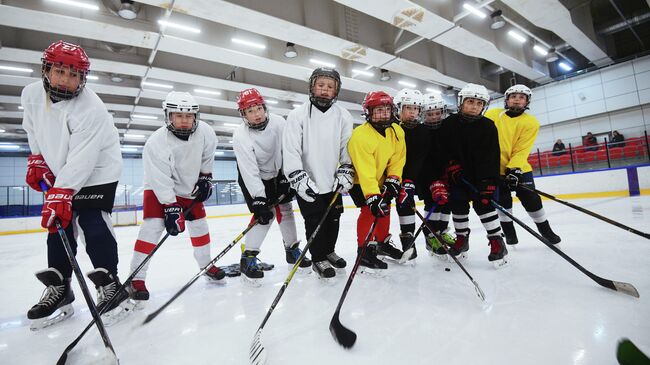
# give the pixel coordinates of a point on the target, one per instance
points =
(558, 148)
(617, 140)
(590, 143)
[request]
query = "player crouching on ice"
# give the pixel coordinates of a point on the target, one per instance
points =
(378, 153)
(178, 160)
(470, 146)
(75, 152)
(258, 149)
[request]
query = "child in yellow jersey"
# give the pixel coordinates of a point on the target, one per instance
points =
(378, 153)
(517, 133)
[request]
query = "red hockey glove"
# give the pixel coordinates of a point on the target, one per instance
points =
(37, 171)
(439, 192)
(58, 205)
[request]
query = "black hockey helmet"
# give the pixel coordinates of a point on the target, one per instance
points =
(325, 72)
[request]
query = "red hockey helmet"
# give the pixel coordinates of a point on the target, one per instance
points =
(248, 98)
(66, 55)
(378, 98)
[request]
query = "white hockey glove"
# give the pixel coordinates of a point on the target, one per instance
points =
(303, 185)
(344, 178)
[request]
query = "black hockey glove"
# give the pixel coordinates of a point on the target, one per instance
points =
(406, 196)
(392, 186)
(174, 220)
(378, 206)
(261, 210)
(513, 178)
(203, 188)
(284, 188)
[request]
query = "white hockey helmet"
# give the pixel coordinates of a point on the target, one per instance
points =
(431, 102)
(518, 89)
(473, 91)
(180, 102)
(408, 97)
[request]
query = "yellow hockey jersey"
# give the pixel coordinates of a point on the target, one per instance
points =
(375, 157)
(516, 138)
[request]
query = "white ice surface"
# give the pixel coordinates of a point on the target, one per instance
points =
(540, 310)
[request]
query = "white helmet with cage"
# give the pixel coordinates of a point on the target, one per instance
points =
(518, 89)
(433, 102)
(408, 97)
(180, 102)
(473, 91)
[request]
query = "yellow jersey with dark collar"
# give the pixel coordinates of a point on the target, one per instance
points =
(516, 138)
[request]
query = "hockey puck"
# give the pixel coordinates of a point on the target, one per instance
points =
(447, 269)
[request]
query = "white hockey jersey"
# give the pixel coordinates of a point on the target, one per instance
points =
(172, 165)
(76, 137)
(317, 143)
(259, 153)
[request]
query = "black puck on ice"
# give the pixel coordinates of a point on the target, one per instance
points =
(447, 269)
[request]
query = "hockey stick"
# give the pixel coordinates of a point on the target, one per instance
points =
(343, 335)
(409, 251)
(155, 313)
(479, 292)
(589, 212)
(66, 352)
(257, 353)
(622, 287)
(82, 283)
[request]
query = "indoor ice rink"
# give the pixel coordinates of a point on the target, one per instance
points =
(586, 63)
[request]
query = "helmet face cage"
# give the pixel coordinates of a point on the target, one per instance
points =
(259, 126)
(324, 72)
(68, 56)
(376, 99)
(433, 107)
(409, 97)
(247, 99)
(473, 91)
(179, 102)
(517, 89)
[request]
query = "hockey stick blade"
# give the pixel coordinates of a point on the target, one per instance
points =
(344, 336)
(257, 351)
(626, 288)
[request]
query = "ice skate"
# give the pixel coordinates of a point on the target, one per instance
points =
(545, 230)
(434, 246)
(510, 233)
(292, 255)
(498, 252)
(55, 304)
(112, 311)
(249, 267)
(370, 264)
(324, 270)
(385, 249)
(460, 248)
(408, 253)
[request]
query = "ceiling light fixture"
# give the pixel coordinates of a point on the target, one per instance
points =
(127, 10)
(17, 69)
(209, 92)
(247, 43)
(231, 125)
(436, 91)
(322, 63)
(385, 75)
(154, 84)
(552, 56)
(78, 4)
(407, 84)
(516, 36)
(92, 77)
(474, 11)
(134, 136)
(20, 107)
(540, 50)
(497, 20)
(143, 116)
(166, 23)
(362, 72)
(565, 66)
(271, 101)
(290, 52)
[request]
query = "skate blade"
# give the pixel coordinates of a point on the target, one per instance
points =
(56, 317)
(498, 264)
(462, 257)
(442, 258)
(301, 271)
(326, 281)
(139, 304)
(211, 281)
(377, 273)
(251, 283)
(118, 313)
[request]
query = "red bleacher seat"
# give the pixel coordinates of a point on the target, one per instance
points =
(630, 151)
(553, 161)
(601, 155)
(615, 153)
(565, 160)
(587, 157)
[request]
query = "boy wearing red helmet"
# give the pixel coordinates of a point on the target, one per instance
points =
(75, 151)
(378, 152)
(258, 148)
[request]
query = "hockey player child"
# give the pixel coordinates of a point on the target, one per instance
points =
(75, 151)
(517, 133)
(470, 145)
(258, 148)
(316, 161)
(178, 160)
(434, 111)
(378, 153)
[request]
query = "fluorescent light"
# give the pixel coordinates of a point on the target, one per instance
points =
(565, 66)
(134, 136)
(364, 73)
(539, 50)
(9, 147)
(209, 92)
(130, 146)
(2, 131)
(474, 11)
(297, 105)
(433, 90)
(129, 149)
(322, 63)
(218, 153)
(407, 84)
(248, 43)
(155, 84)
(271, 101)
(17, 69)
(230, 141)
(92, 77)
(516, 36)
(142, 116)
(178, 26)
(231, 125)
(20, 107)
(78, 4)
